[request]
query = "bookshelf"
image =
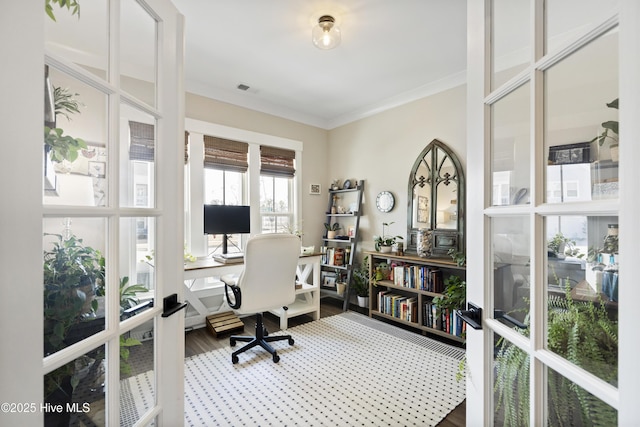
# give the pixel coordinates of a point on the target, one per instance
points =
(406, 296)
(338, 252)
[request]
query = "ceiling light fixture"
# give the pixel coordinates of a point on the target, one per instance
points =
(326, 35)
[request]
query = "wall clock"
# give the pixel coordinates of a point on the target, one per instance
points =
(385, 201)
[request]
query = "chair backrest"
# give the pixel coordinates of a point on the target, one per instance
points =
(268, 279)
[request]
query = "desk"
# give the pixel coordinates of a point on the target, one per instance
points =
(307, 296)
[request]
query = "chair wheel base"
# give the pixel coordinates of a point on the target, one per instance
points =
(276, 358)
(234, 359)
(291, 341)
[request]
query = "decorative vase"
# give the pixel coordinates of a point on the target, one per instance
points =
(423, 242)
(340, 288)
(363, 301)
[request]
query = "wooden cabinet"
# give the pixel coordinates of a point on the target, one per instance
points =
(338, 251)
(406, 295)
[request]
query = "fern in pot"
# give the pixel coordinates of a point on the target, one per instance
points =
(581, 332)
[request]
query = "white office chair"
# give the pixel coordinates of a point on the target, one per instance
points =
(267, 282)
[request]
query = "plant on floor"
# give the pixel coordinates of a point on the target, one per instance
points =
(361, 278)
(584, 334)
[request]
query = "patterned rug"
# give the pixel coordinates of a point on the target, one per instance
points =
(344, 370)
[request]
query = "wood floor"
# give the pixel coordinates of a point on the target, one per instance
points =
(201, 340)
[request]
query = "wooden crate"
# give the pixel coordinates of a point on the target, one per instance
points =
(224, 323)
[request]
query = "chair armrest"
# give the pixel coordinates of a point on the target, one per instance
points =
(237, 295)
(229, 279)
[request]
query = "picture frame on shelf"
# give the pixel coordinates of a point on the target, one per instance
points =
(570, 153)
(328, 279)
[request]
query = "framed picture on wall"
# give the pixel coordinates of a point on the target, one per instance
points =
(314, 188)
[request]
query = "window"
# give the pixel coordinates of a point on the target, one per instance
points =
(236, 167)
(276, 211)
(276, 189)
(225, 166)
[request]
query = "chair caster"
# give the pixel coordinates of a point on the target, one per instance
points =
(265, 332)
(291, 341)
(276, 358)
(234, 359)
(232, 342)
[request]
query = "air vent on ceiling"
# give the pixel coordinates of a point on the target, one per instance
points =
(243, 86)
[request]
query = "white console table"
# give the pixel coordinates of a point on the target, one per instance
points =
(307, 297)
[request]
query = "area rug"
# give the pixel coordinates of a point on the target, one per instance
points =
(344, 370)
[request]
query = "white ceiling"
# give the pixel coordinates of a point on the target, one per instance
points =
(392, 52)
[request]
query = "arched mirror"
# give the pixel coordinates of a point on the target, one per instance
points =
(436, 199)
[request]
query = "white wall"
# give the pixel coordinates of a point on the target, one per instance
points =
(382, 149)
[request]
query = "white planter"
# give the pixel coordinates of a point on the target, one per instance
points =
(331, 234)
(340, 288)
(363, 301)
(385, 249)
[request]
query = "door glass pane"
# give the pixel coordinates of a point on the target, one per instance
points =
(81, 38)
(74, 280)
(510, 136)
(138, 60)
(137, 261)
(570, 404)
(582, 292)
(510, 384)
(566, 20)
(510, 40)
(137, 158)
(75, 170)
(581, 124)
(79, 388)
(137, 373)
(511, 255)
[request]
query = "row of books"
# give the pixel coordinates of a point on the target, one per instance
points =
(399, 306)
(334, 256)
(442, 320)
(420, 277)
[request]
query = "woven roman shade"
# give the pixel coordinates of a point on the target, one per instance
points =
(142, 141)
(225, 154)
(277, 161)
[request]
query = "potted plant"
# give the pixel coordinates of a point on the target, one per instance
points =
(584, 334)
(610, 132)
(331, 229)
(383, 243)
(560, 245)
(61, 147)
(73, 275)
(361, 282)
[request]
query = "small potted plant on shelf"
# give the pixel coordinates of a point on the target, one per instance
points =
(610, 132)
(332, 229)
(383, 243)
(559, 246)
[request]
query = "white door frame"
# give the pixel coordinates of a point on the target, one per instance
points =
(21, 298)
(480, 342)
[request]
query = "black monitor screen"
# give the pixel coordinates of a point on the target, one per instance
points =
(226, 219)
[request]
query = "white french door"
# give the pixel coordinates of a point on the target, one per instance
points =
(558, 343)
(109, 210)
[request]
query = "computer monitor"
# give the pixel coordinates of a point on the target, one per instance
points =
(226, 219)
